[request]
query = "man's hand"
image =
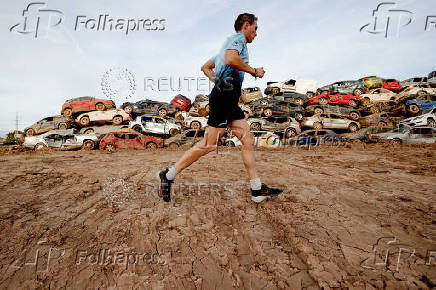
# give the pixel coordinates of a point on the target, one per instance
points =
(260, 72)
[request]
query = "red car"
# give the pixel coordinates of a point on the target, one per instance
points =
(129, 139)
(336, 98)
(392, 85)
(181, 102)
(85, 104)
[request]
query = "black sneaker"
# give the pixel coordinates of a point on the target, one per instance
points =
(261, 194)
(164, 190)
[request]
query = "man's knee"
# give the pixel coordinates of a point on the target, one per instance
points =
(248, 140)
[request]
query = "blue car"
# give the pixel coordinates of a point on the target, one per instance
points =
(415, 105)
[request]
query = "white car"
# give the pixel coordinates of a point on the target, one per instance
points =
(155, 125)
(378, 95)
(117, 116)
(302, 86)
(195, 122)
(261, 139)
(428, 119)
(61, 139)
(330, 121)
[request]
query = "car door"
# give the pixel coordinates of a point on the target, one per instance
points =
(159, 125)
(120, 140)
(54, 140)
(47, 124)
(134, 141)
(325, 120)
(338, 122)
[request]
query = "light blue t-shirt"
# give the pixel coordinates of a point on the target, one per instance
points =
(222, 71)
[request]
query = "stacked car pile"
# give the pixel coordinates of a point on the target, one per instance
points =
(356, 109)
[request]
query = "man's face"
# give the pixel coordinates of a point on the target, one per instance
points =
(251, 31)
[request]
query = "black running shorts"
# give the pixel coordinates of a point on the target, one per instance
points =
(223, 104)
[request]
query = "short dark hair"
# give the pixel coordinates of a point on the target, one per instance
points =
(242, 18)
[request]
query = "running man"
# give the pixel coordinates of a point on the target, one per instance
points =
(230, 65)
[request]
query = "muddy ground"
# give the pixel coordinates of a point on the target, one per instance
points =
(361, 217)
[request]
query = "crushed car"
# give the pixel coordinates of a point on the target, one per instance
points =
(302, 86)
(288, 127)
(344, 87)
(102, 130)
(427, 119)
(129, 138)
(261, 139)
(85, 104)
(381, 120)
(407, 135)
(47, 124)
(116, 116)
(62, 140)
(378, 95)
(330, 121)
(195, 122)
(188, 137)
(345, 112)
(155, 125)
(250, 94)
(147, 106)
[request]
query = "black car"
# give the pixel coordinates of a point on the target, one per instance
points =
(338, 110)
(161, 109)
(278, 106)
(345, 87)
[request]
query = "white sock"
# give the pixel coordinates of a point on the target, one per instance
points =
(171, 174)
(255, 184)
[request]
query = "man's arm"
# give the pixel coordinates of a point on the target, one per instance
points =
(234, 60)
(207, 69)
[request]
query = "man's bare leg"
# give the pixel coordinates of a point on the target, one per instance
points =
(206, 145)
(241, 130)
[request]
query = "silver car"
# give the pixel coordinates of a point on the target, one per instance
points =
(155, 125)
(61, 139)
(330, 121)
(407, 135)
(428, 119)
(289, 128)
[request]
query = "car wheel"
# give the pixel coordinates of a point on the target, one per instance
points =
(255, 126)
(353, 127)
(40, 146)
(275, 91)
(128, 109)
(30, 132)
(318, 111)
(117, 120)
(88, 145)
(89, 131)
(299, 101)
(268, 112)
(100, 107)
(413, 109)
(431, 123)
(298, 116)
(137, 128)
(195, 125)
(323, 101)
(163, 113)
(289, 133)
(357, 92)
(109, 148)
(173, 145)
(151, 145)
(174, 132)
(381, 124)
(67, 112)
(317, 126)
(354, 116)
(353, 103)
(230, 144)
(63, 126)
(264, 103)
(84, 121)
(309, 95)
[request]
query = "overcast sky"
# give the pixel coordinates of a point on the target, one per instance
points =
(314, 39)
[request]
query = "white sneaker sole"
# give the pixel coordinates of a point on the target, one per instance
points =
(258, 199)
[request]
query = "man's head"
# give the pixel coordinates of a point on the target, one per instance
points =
(247, 24)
